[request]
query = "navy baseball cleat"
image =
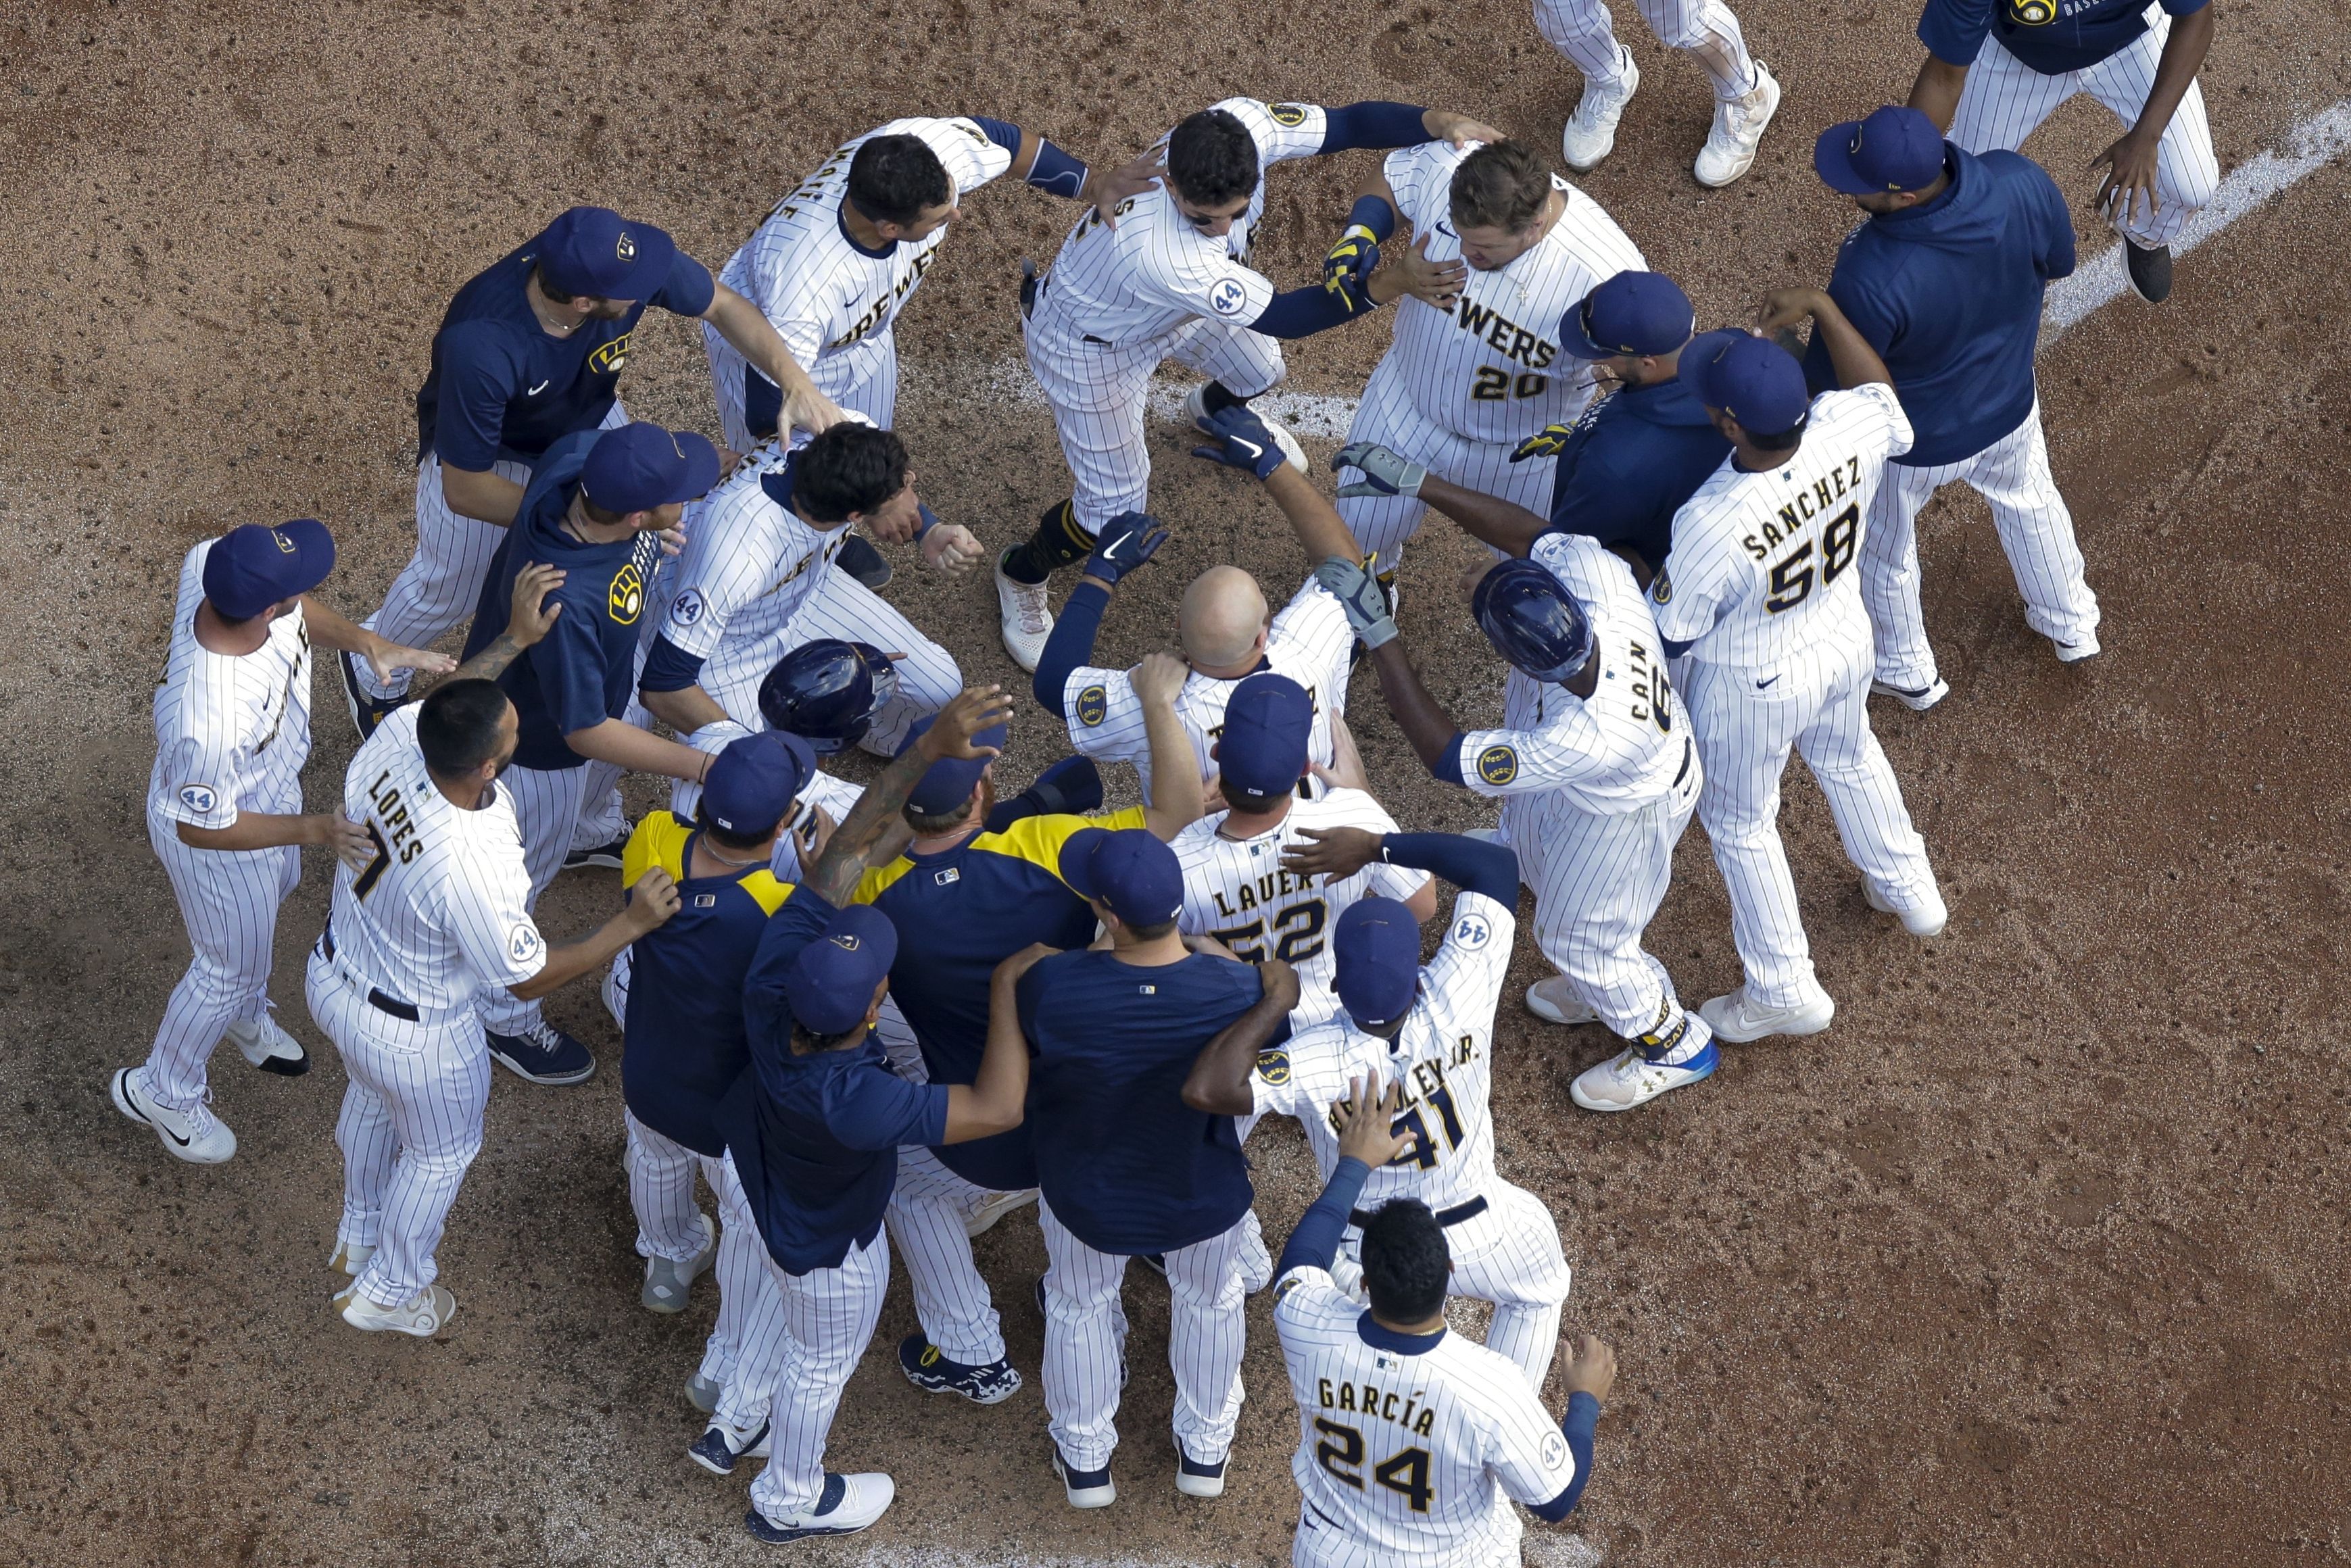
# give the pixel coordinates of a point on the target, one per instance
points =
(2150, 270)
(1193, 1479)
(606, 855)
(716, 1453)
(927, 1369)
(1085, 1489)
(849, 1503)
(367, 711)
(542, 1054)
(859, 560)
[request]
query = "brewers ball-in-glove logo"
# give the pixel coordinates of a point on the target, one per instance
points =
(1289, 114)
(609, 357)
(199, 798)
(627, 599)
(625, 247)
(1228, 298)
(2033, 12)
(1498, 765)
(1093, 707)
(1662, 590)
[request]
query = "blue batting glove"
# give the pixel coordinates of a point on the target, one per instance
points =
(1242, 442)
(1126, 541)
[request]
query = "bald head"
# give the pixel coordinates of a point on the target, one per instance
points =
(1223, 619)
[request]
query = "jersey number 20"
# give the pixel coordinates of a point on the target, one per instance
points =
(1404, 1472)
(1495, 384)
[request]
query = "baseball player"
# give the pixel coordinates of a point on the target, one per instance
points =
(531, 351)
(1236, 890)
(1171, 280)
(1409, 1436)
(1944, 280)
(1429, 1030)
(1227, 635)
(224, 807)
(1746, 96)
(596, 502)
(437, 915)
(1996, 68)
(1759, 594)
(812, 1133)
(1472, 375)
(838, 261)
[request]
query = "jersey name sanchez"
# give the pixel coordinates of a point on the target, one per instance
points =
(1153, 272)
(232, 731)
(1763, 564)
(1443, 1057)
(1490, 368)
(831, 300)
(440, 913)
(1616, 750)
(1237, 891)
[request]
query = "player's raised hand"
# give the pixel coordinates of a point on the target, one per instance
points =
(1242, 441)
(1128, 540)
(1335, 852)
(1159, 678)
(814, 831)
(1360, 595)
(352, 843)
(2130, 166)
(1437, 283)
(385, 657)
(1592, 1369)
(1365, 1121)
(1008, 974)
(1353, 260)
(1385, 473)
(653, 899)
(1445, 125)
(1548, 442)
(1109, 192)
(810, 410)
(534, 610)
(1782, 309)
(951, 547)
(975, 708)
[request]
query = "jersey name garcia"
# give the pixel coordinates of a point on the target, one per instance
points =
(1490, 368)
(232, 731)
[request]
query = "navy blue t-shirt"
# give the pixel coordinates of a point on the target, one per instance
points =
(1126, 1165)
(816, 1138)
(2050, 36)
(502, 386)
(583, 671)
(1630, 463)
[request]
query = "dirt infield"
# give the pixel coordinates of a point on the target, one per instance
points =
(2035, 1257)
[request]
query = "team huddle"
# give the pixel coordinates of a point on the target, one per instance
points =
(880, 1019)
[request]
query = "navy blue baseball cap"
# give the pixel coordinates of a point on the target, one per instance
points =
(1631, 313)
(948, 782)
(636, 467)
(754, 782)
(1376, 955)
(255, 566)
(596, 251)
(1896, 149)
(1268, 722)
(1126, 868)
(1751, 379)
(832, 983)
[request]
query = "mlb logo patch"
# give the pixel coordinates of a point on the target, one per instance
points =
(947, 876)
(1148, 990)
(705, 901)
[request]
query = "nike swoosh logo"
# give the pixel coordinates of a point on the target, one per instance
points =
(539, 389)
(1761, 685)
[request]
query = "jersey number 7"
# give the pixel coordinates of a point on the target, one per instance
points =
(1404, 1472)
(373, 872)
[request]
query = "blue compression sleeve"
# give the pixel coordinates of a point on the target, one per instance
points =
(1447, 765)
(1374, 213)
(1003, 133)
(1315, 1243)
(1302, 312)
(1575, 1425)
(1676, 650)
(669, 668)
(1057, 171)
(1372, 123)
(1071, 646)
(1473, 865)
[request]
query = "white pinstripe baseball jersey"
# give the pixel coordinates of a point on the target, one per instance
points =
(1615, 750)
(232, 732)
(1411, 1455)
(1761, 563)
(1444, 1056)
(1153, 272)
(1309, 641)
(836, 795)
(1489, 369)
(831, 301)
(442, 910)
(1235, 891)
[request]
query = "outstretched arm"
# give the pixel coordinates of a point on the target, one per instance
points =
(1219, 1081)
(865, 836)
(748, 331)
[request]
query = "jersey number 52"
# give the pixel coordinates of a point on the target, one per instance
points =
(1296, 935)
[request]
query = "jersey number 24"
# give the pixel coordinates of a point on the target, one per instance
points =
(1404, 1472)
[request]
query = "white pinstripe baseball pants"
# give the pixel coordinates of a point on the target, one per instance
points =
(952, 1302)
(410, 1126)
(438, 590)
(1747, 719)
(1598, 880)
(1382, 523)
(874, 394)
(546, 803)
(827, 1319)
(2005, 100)
(1100, 394)
(2036, 532)
(1582, 30)
(1510, 1256)
(661, 1193)
(749, 1310)
(228, 899)
(1085, 1344)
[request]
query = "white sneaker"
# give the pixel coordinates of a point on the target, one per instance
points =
(424, 1314)
(1928, 920)
(983, 1219)
(202, 1139)
(2085, 646)
(1630, 1079)
(1736, 1019)
(1026, 622)
(1918, 699)
(667, 1279)
(1739, 124)
(350, 1259)
(848, 1504)
(1554, 1001)
(269, 1048)
(1591, 134)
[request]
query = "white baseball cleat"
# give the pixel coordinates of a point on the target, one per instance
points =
(269, 1048)
(1591, 134)
(1193, 1479)
(848, 1504)
(1738, 1019)
(1084, 1488)
(424, 1314)
(202, 1139)
(1554, 1001)
(1196, 413)
(983, 1219)
(1026, 620)
(667, 1279)
(1928, 920)
(1739, 125)
(1630, 1079)
(1918, 699)
(2084, 646)
(350, 1259)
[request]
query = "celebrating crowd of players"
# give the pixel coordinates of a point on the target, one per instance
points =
(889, 1016)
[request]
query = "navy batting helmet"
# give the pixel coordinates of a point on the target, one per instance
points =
(828, 692)
(1533, 622)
